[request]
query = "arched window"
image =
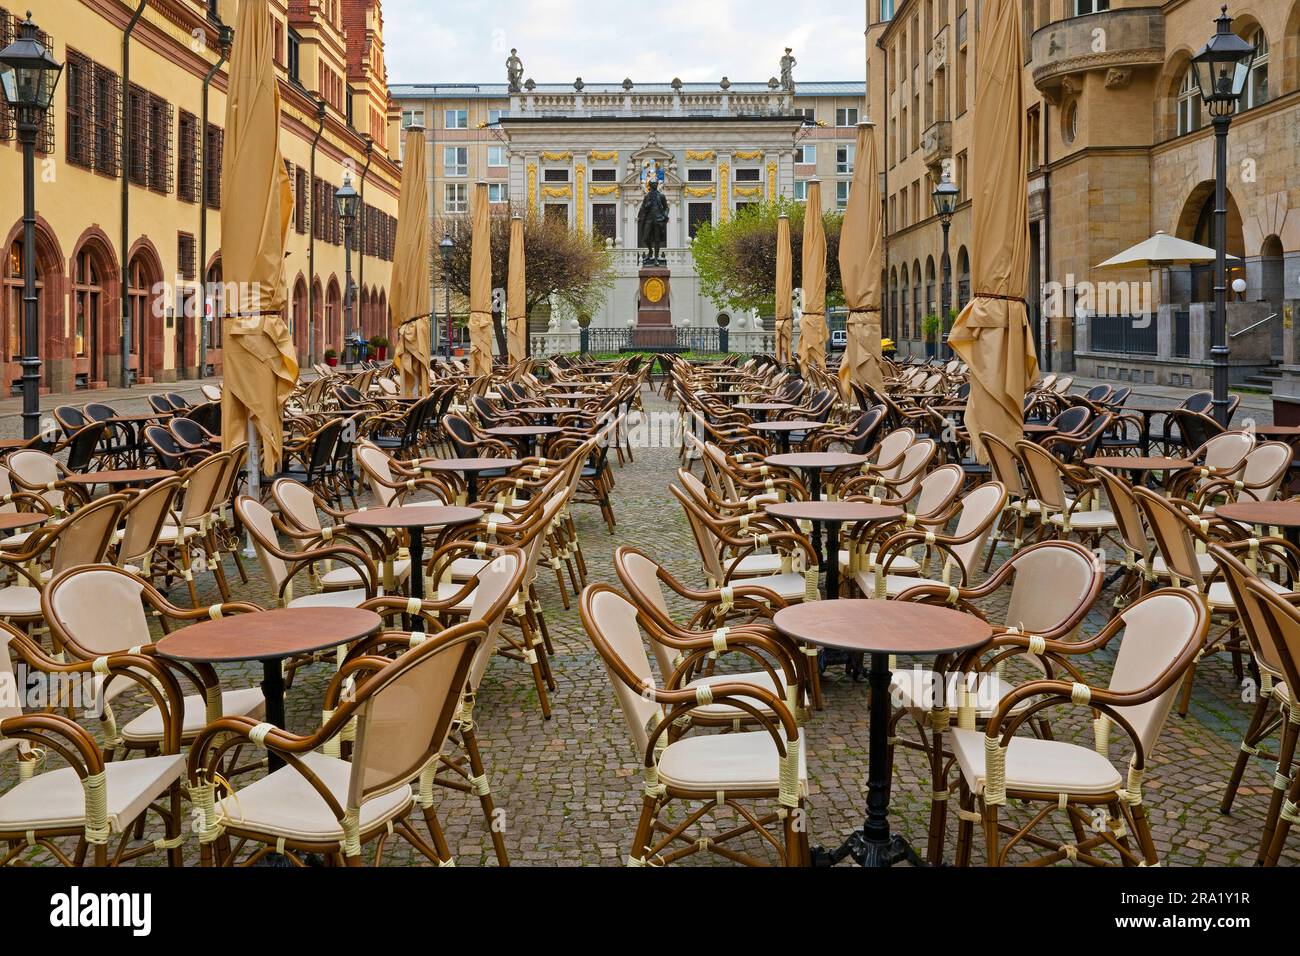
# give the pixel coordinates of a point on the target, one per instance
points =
(907, 326)
(13, 280)
(1256, 93)
(216, 295)
(87, 296)
(1189, 103)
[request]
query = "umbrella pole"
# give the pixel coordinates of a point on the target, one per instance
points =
(254, 480)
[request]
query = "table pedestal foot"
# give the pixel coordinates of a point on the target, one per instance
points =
(868, 853)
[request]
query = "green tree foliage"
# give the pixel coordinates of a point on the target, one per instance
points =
(736, 260)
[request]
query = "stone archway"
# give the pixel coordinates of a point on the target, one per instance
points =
(94, 309)
(333, 312)
(299, 321)
(144, 272)
(50, 286)
(1196, 224)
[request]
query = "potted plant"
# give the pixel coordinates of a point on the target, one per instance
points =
(931, 330)
(331, 357)
(380, 346)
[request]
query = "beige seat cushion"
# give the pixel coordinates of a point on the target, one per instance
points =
(17, 601)
(709, 762)
(148, 727)
(15, 540)
(1087, 520)
(351, 598)
(448, 588)
(758, 678)
(895, 584)
(1220, 597)
(56, 798)
(1160, 567)
(789, 586)
(284, 804)
(1040, 766)
(1282, 694)
(344, 577)
(901, 563)
(462, 569)
(914, 689)
(752, 565)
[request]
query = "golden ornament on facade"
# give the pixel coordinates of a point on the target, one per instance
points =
(604, 190)
(653, 289)
(724, 181)
(580, 178)
(700, 155)
(698, 192)
(602, 155)
(556, 192)
(771, 180)
(532, 186)
(749, 154)
(563, 157)
(749, 192)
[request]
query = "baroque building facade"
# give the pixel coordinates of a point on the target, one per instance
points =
(1120, 147)
(130, 227)
(580, 151)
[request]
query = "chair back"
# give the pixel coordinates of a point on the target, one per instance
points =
(1128, 516)
(1283, 627)
(1263, 471)
(1044, 474)
(70, 419)
(1269, 655)
(1004, 463)
(702, 531)
(1072, 420)
(496, 585)
(203, 486)
(1173, 536)
(1198, 402)
(889, 453)
(297, 505)
(84, 537)
(143, 520)
(159, 403)
(38, 471)
(259, 524)
(938, 489)
(404, 712)
(97, 609)
(83, 445)
(1055, 581)
(916, 459)
(165, 447)
(980, 509)
(377, 468)
(179, 401)
(1227, 451)
(610, 620)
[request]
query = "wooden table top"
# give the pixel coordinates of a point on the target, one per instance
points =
(522, 431)
(798, 425)
(119, 476)
(1278, 431)
(572, 396)
(468, 464)
(1137, 463)
(13, 520)
(1039, 428)
(412, 516)
(1283, 514)
(549, 410)
(268, 635)
(140, 417)
(8, 443)
(816, 459)
(832, 511)
(882, 627)
(763, 406)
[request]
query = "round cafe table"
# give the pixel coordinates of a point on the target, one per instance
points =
(525, 436)
(572, 396)
(17, 520)
(1270, 514)
(810, 465)
(784, 428)
(119, 477)
(271, 637)
(471, 468)
(762, 408)
(414, 519)
(833, 514)
(549, 411)
(880, 628)
(1138, 466)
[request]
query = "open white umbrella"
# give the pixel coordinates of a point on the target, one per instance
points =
(1161, 249)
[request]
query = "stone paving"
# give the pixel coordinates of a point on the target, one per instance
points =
(570, 787)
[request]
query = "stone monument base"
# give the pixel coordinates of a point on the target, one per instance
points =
(654, 320)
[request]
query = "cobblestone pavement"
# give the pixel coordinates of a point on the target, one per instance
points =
(570, 787)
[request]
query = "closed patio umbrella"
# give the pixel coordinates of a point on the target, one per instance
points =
(784, 294)
(992, 334)
(480, 284)
(410, 300)
(812, 331)
(516, 295)
(259, 364)
(861, 253)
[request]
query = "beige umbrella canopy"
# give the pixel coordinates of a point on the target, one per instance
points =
(1161, 249)
(861, 255)
(784, 294)
(410, 299)
(992, 334)
(259, 364)
(516, 294)
(812, 334)
(480, 284)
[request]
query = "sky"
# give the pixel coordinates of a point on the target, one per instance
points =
(603, 41)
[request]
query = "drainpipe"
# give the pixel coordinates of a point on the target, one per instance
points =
(311, 237)
(1045, 232)
(126, 188)
(361, 229)
(888, 294)
(226, 38)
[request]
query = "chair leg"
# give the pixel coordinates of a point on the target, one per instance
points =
(1185, 696)
(469, 738)
(1273, 824)
(991, 847)
(644, 828)
(1249, 740)
(965, 825)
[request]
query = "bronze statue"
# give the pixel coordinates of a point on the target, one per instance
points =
(514, 71)
(652, 224)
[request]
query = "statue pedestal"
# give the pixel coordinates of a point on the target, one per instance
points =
(654, 321)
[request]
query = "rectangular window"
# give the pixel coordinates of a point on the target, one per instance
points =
(497, 156)
(801, 190)
(742, 206)
(185, 255)
(749, 175)
(76, 80)
(806, 154)
(455, 119)
(498, 192)
(698, 214)
(496, 116)
(1084, 7)
(604, 220)
(699, 174)
(160, 145)
(137, 153)
(844, 159)
(455, 198)
(300, 201)
(187, 156)
(412, 118)
(842, 193)
(556, 174)
(886, 10)
(455, 160)
(212, 165)
(807, 113)
(604, 175)
(846, 116)
(294, 58)
(959, 81)
(107, 111)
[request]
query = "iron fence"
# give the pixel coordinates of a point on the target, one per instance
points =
(1125, 334)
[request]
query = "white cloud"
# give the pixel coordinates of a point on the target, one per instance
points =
(558, 40)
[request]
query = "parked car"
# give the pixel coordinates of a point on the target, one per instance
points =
(839, 340)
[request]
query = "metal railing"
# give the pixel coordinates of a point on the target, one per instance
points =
(654, 340)
(1252, 326)
(1126, 334)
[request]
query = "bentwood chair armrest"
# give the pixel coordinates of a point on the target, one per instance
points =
(211, 612)
(352, 557)
(388, 606)
(744, 697)
(47, 729)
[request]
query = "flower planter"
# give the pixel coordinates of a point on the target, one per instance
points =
(331, 362)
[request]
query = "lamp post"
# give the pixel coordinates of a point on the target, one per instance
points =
(1222, 67)
(945, 198)
(346, 200)
(446, 247)
(29, 75)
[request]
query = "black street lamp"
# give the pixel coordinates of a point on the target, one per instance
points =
(1222, 67)
(346, 201)
(446, 247)
(945, 198)
(29, 75)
